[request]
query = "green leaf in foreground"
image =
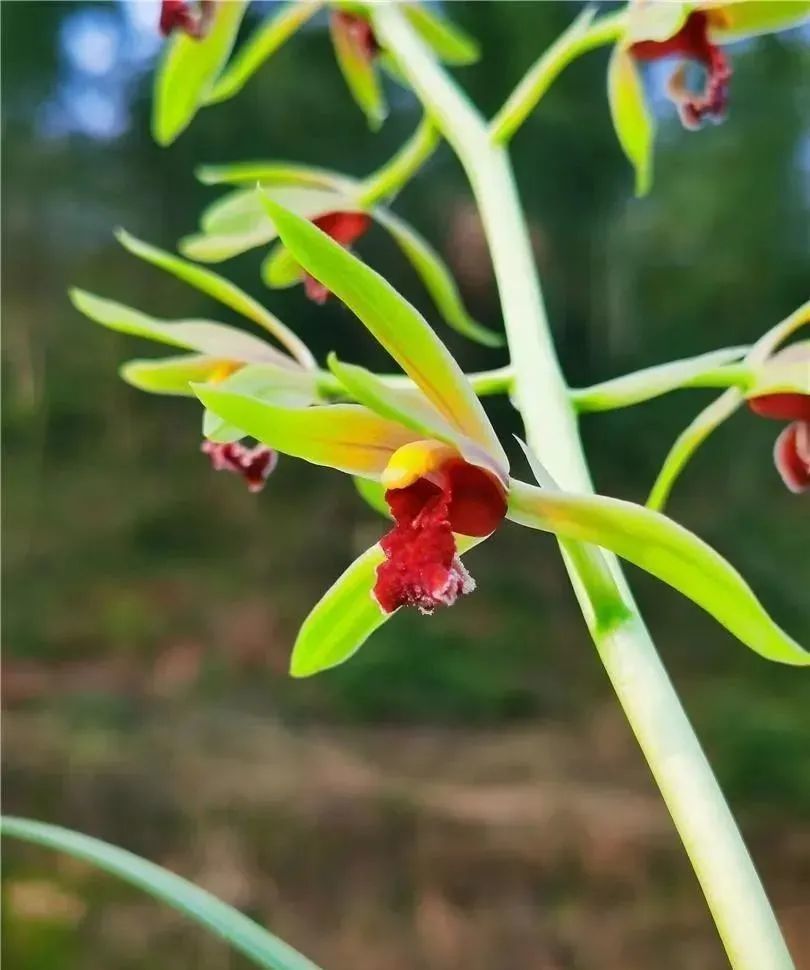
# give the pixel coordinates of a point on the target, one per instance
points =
(664, 549)
(188, 70)
(241, 933)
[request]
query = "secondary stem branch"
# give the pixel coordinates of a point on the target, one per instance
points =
(738, 903)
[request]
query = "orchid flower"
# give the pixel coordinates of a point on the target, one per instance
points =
(197, 68)
(430, 451)
(693, 31)
(783, 394)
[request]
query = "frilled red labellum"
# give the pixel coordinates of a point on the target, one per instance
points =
(791, 454)
(782, 407)
(422, 567)
(179, 15)
(692, 43)
(253, 464)
(360, 32)
(345, 228)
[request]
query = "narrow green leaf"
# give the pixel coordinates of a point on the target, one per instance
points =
(394, 322)
(450, 43)
(346, 615)
(222, 290)
(437, 280)
(262, 44)
(280, 269)
(344, 618)
(359, 72)
(753, 17)
(170, 375)
(245, 936)
(347, 437)
(204, 336)
(373, 494)
(188, 69)
(273, 173)
(274, 385)
(651, 382)
(631, 117)
(664, 549)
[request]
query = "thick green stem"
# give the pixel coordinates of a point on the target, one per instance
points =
(737, 901)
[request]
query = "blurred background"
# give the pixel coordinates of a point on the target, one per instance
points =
(465, 792)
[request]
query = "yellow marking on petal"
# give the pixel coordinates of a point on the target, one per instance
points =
(222, 370)
(719, 16)
(416, 460)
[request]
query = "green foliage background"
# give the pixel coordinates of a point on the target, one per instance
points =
(123, 552)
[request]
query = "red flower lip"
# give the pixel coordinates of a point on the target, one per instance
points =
(782, 407)
(345, 228)
(178, 15)
(791, 455)
(422, 567)
(253, 464)
(692, 42)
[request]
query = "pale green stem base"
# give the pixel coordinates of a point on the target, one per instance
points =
(737, 901)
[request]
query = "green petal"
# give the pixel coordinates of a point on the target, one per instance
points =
(437, 280)
(664, 549)
(238, 221)
(188, 70)
(291, 389)
(631, 117)
(450, 43)
(170, 375)
(213, 339)
(409, 408)
(274, 173)
(241, 933)
(360, 74)
(223, 290)
(280, 269)
(397, 325)
(346, 616)
(347, 437)
(748, 18)
(787, 372)
(262, 44)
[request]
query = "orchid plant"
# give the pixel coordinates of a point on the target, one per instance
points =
(419, 443)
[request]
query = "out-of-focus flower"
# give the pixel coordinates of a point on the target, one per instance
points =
(783, 394)
(179, 15)
(254, 464)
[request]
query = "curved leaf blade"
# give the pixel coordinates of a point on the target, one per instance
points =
(631, 117)
(347, 437)
(225, 292)
(666, 550)
(204, 336)
(437, 280)
(276, 30)
(250, 939)
(754, 17)
(188, 69)
(394, 322)
(273, 173)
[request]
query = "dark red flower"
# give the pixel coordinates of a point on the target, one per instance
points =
(691, 43)
(791, 406)
(345, 228)
(253, 464)
(422, 567)
(180, 15)
(791, 455)
(359, 32)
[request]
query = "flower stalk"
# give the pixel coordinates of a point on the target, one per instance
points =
(744, 918)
